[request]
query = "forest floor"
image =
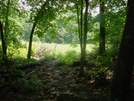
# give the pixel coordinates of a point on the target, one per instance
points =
(60, 84)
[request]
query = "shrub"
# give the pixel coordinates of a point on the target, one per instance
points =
(68, 57)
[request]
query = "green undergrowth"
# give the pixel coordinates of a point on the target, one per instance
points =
(22, 61)
(68, 58)
(19, 78)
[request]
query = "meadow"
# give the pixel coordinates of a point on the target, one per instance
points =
(57, 49)
(65, 53)
(39, 48)
(61, 47)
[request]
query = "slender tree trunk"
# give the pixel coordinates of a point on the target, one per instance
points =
(3, 45)
(85, 27)
(30, 40)
(120, 88)
(79, 24)
(83, 39)
(81, 73)
(102, 30)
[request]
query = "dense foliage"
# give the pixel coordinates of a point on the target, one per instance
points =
(63, 34)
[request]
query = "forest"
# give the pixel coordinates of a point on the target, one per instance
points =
(66, 50)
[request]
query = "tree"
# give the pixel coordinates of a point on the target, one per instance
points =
(30, 40)
(111, 13)
(67, 28)
(46, 10)
(3, 45)
(82, 36)
(120, 88)
(102, 29)
(115, 14)
(4, 36)
(9, 25)
(36, 18)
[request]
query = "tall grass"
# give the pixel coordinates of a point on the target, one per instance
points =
(49, 49)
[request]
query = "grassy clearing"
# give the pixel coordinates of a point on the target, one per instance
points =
(65, 53)
(48, 49)
(51, 50)
(61, 48)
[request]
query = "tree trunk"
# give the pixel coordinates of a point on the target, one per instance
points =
(81, 72)
(83, 39)
(3, 45)
(102, 30)
(85, 27)
(4, 34)
(30, 40)
(120, 87)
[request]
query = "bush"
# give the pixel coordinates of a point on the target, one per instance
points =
(68, 57)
